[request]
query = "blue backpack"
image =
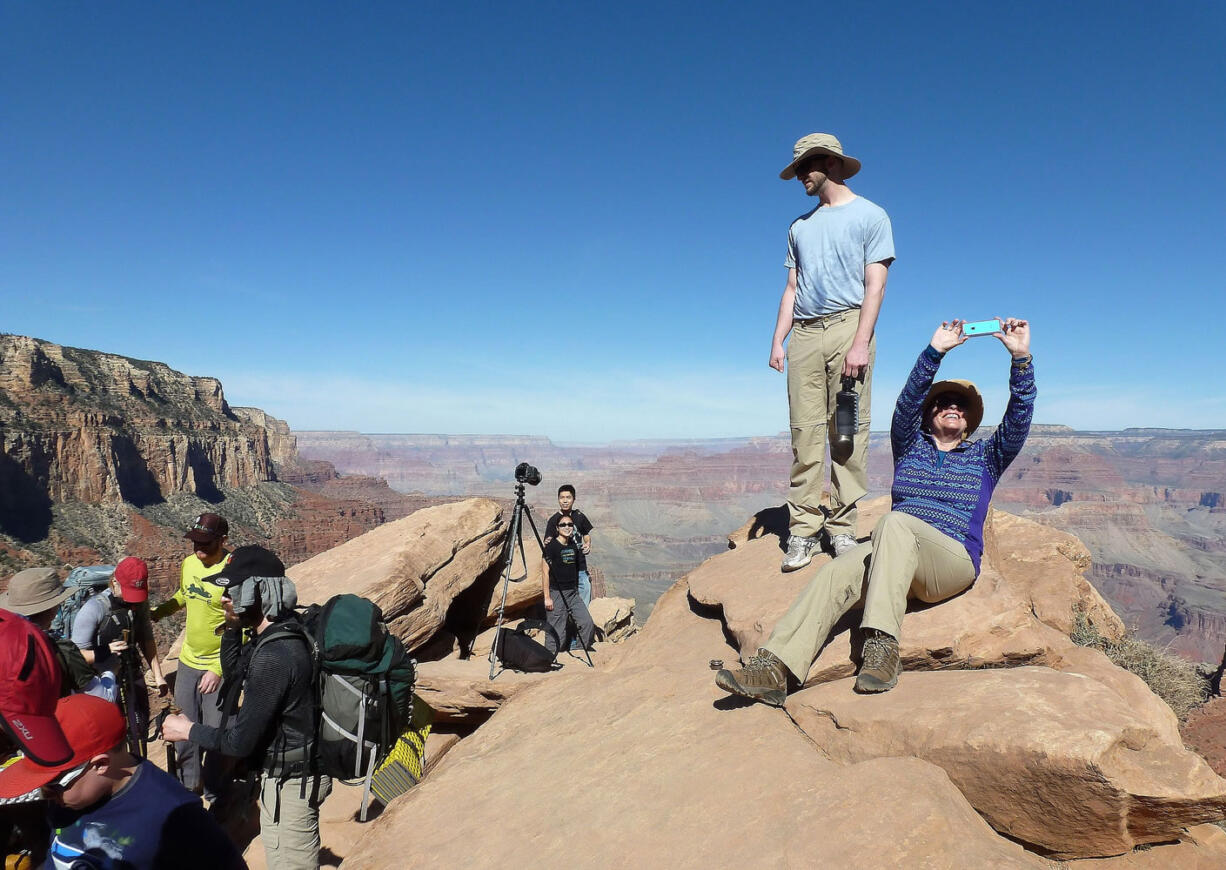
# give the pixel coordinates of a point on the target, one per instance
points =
(86, 582)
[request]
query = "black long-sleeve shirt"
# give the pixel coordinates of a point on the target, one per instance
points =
(278, 708)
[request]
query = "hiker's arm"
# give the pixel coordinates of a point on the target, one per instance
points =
(267, 684)
(149, 647)
(545, 584)
(172, 604)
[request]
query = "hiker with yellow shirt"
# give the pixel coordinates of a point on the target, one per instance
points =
(199, 674)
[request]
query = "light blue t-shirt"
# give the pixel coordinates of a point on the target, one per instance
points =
(829, 247)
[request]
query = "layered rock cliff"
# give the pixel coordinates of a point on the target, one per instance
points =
(96, 427)
(103, 456)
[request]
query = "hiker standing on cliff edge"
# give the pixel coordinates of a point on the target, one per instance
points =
(838, 258)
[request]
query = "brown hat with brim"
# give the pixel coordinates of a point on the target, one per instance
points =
(967, 391)
(34, 591)
(819, 143)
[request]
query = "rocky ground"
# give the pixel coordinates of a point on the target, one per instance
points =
(1004, 744)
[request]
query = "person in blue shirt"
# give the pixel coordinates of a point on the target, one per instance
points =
(929, 545)
(109, 809)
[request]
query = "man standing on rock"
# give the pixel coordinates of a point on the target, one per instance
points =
(838, 258)
(199, 674)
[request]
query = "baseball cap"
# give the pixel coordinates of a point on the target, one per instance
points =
(92, 725)
(208, 528)
(132, 575)
(245, 562)
(34, 590)
(29, 686)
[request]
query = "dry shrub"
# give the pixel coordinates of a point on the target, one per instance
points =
(1176, 681)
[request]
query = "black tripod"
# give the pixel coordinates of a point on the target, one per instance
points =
(515, 536)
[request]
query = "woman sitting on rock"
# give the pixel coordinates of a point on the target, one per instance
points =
(930, 543)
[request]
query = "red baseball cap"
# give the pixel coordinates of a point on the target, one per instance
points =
(92, 725)
(132, 575)
(29, 686)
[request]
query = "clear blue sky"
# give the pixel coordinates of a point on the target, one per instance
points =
(565, 219)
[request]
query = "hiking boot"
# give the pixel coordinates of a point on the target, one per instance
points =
(879, 669)
(842, 544)
(800, 552)
(764, 678)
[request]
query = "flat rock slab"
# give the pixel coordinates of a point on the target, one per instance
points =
(1201, 848)
(460, 691)
(1052, 759)
(645, 764)
(1018, 611)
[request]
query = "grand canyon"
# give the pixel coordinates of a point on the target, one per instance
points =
(104, 455)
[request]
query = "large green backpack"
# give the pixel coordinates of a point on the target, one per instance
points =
(365, 687)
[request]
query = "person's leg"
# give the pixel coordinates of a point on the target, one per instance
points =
(289, 821)
(585, 587)
(215, 767)
(912, 558)
(555, 622)
(800, 633)
(807, 419)
(848, 472)
(584, 626)
(187, 697)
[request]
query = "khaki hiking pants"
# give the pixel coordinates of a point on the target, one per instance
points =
(815, 373)
(906, 558)
(289, 821)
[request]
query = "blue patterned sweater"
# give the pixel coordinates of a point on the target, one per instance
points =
(950, 491)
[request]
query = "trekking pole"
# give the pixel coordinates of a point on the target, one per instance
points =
(172, 756)
(129, 684)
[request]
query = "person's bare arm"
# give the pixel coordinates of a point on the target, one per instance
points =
(545, 584)
(783, 322)
(856, 361)
(587, 544)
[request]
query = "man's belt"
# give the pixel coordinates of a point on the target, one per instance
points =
(825, 319)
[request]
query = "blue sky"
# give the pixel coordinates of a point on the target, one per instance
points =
(565, 219)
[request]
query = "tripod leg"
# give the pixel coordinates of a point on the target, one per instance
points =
(513, 534)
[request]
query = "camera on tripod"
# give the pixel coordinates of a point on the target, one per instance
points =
(529, 474)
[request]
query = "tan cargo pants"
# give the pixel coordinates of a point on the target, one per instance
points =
(291, 842)
(815, 371)
(906, 558)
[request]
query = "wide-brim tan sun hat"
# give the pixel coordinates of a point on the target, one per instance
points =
(34, 591)
(819, 143)
(968, 391)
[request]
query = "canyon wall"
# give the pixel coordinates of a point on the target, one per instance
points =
(95, 427)
(103, 456)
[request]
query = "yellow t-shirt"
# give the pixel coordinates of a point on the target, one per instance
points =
(201, 645)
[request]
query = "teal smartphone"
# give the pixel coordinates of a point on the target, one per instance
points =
(982, 327)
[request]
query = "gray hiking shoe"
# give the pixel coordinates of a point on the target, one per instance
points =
(879, 670)
(800, 552)
(842, 544)
(764, 678)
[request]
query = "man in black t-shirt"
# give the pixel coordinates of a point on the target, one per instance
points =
(582, 535)
(560, 584)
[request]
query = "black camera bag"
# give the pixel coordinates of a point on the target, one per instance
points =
(519, 652)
